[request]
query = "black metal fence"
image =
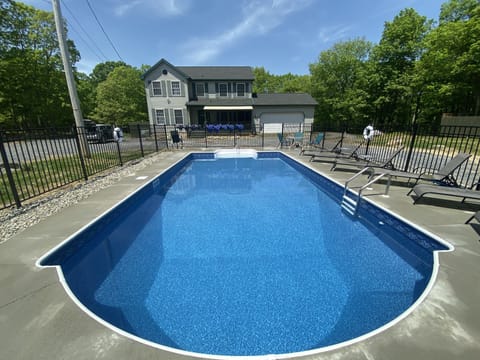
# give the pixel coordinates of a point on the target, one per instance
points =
(36, 161)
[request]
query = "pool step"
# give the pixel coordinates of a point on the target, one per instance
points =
(349, 205)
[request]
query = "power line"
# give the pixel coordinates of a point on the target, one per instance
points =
(103, 30)
(86, 33)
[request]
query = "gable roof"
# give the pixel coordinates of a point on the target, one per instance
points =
(218, 72)
(284, 99)
(207, 72)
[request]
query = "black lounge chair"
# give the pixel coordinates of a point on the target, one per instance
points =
(335, 153)
(443, 175)
(475, 216)
(421, 190)
(362, 162)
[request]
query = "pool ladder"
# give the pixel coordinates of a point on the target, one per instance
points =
(349, 203)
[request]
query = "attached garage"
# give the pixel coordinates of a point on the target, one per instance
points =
(282, 117)
(283, 109)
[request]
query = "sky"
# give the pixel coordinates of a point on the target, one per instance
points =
(283, 36)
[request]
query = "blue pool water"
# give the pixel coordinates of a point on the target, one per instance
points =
(245, 257)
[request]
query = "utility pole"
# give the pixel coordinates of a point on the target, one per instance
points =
(72, 88)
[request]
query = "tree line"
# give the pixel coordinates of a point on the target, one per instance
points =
(420, 69)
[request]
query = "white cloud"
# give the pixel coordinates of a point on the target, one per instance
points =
(163, 8)
(259, 18)
(332, 33)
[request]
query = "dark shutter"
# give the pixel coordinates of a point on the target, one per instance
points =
(194, 90)
(164, 88)
(206, 88)
(216, 88)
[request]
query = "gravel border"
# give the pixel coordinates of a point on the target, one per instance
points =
(14, 220)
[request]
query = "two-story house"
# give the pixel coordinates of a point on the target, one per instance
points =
(200, 95)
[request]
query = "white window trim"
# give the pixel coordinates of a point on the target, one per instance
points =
(174, 120)
(244, 89)
(164, 117)
(203, 87)
(226, 89)
(159, 88)
(179, 89)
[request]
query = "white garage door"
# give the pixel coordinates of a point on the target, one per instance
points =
(292, 118)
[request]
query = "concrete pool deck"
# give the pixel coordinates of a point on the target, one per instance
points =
(38, 320)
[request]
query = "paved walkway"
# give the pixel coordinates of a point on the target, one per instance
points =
(39, 321)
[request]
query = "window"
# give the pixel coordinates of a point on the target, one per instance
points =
(156, 88)
(160, 116)
(240, 89)
(200, 89)
(223, 89)
(175, 88)
(178, 116)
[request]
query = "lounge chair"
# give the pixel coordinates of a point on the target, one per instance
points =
(309, 151)
(336, 154)
(443, 175)
(475, 216)
(362, 162)
(421, 190)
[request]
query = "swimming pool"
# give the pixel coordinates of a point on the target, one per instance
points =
(245, 257)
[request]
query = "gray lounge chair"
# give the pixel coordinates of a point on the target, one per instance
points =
(368, 162)
(475, 216)
(443, 175)
(311, 151)
(336, 154)
(421, 190)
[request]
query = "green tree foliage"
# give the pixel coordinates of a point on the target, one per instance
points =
(33, 91)
(338, 82)
(265, 82)
(121, 97)
(394, 87)
(450, 67)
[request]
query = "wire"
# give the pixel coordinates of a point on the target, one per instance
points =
(103, 30)
(86, 33)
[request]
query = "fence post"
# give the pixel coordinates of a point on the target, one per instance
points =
(140, 139)
(155, 137)
(81, 150)
(8, 170)
(412, 143)
(166, 136)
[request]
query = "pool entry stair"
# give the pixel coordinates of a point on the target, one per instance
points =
(350, 199)
(235, 153)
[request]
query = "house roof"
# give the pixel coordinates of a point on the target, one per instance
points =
(218, 72)
(285, 99)
(207, 72)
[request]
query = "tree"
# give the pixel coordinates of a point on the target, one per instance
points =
(121, 97)
(338, 83)
(394, 87)
(450, 65)
(33, 91)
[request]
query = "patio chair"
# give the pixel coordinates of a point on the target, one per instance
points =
(315, 144)
(297, 139)
(475, 216)
(443, 176)
(176, 138)
(336, 153)
(365, 161)
(421, 190)
(283, 140)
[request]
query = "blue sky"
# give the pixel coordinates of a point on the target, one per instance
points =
(281, 35)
